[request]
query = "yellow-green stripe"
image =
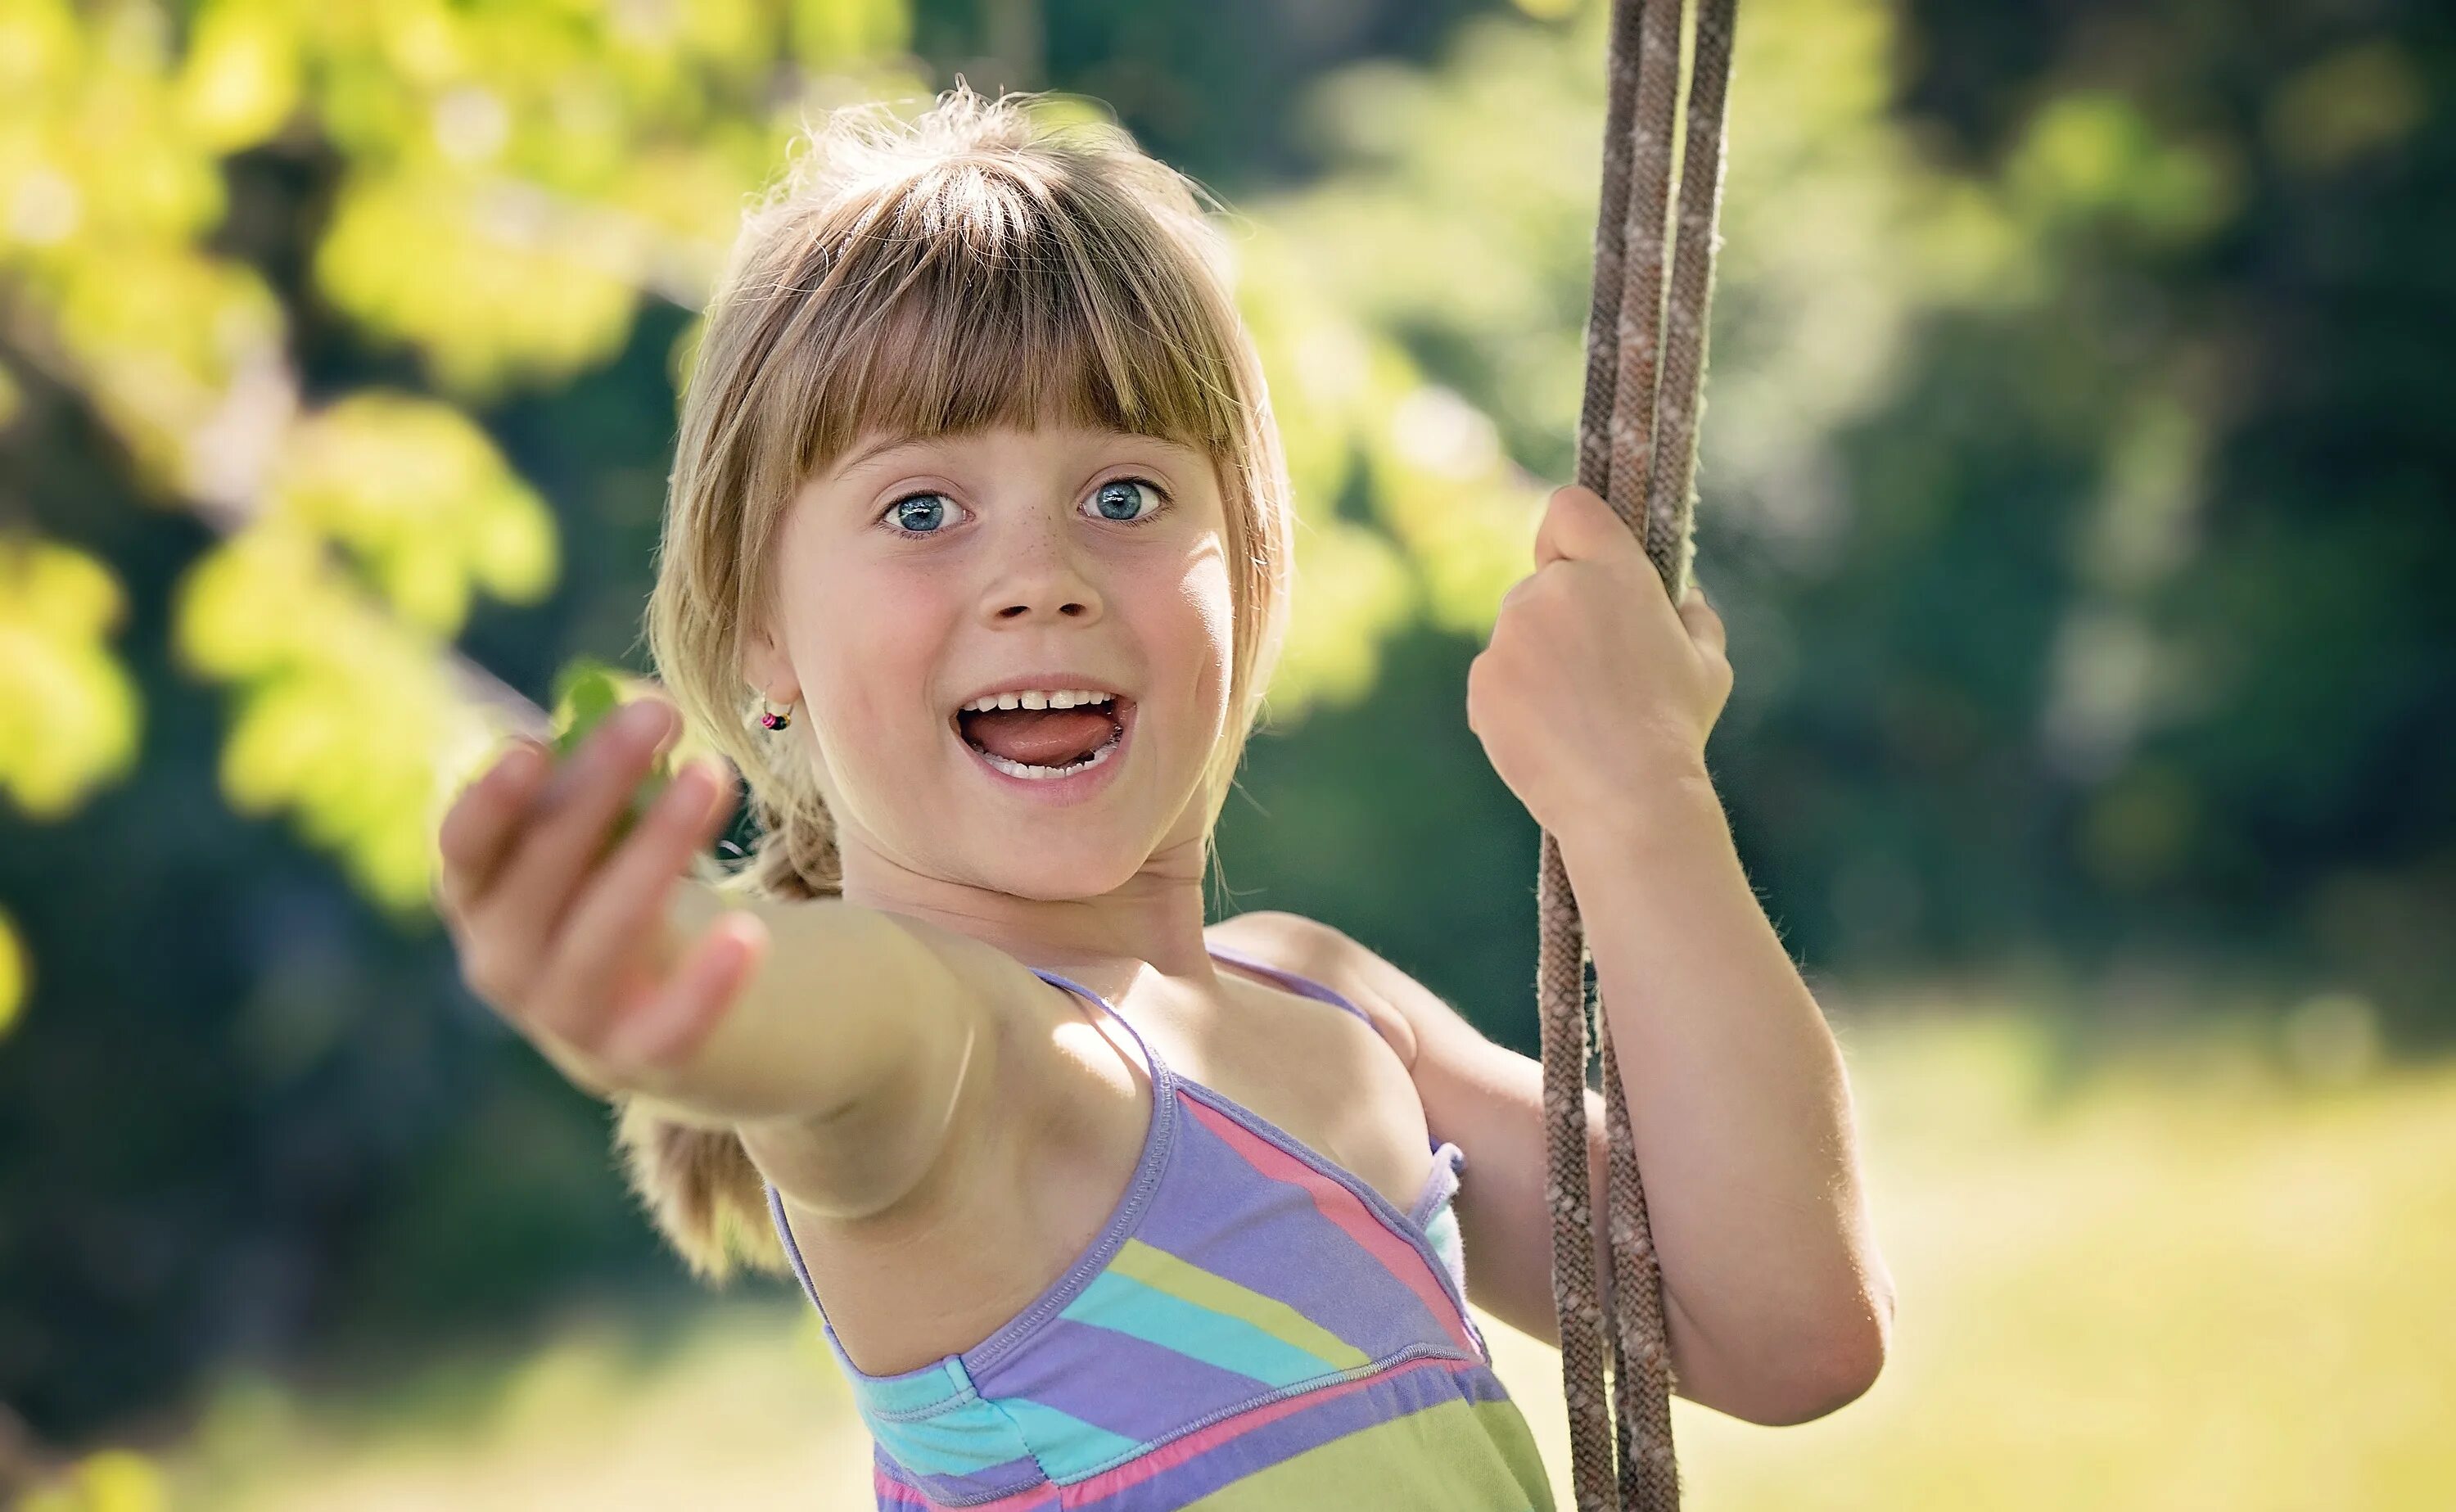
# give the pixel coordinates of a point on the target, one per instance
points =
(1420, 1461)
(1164, 1271)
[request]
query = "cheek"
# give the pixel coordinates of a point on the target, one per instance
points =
(1203, 621)
(870, 641)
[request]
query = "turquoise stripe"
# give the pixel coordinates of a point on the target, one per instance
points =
(951, 1430)
(971, 1435)
(916, 1392)
(1444, 1233)
(1128, 1306)
(1067, 1447)
(958, 1441)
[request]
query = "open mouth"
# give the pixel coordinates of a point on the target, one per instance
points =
(1040, 735)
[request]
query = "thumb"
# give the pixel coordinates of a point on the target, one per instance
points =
(1579, 526)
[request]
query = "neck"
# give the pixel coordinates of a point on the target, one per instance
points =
(1153, 921)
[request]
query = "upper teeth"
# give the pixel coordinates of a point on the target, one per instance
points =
(1037, 697)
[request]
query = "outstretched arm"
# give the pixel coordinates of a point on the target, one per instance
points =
(844, 1043)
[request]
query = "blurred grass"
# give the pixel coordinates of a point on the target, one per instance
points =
(2194, 1278)
(2184, 1276)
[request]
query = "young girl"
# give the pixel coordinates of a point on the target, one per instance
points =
(975, 567)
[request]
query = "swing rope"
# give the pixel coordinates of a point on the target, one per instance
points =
(1637, 448)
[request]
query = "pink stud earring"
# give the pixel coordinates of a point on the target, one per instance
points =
(774, 719)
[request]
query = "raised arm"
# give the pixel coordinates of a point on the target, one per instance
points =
(1593, 700)
(1768, 1356)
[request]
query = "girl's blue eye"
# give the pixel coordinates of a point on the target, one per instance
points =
(1120, 498)
(919, 514)
(1126, 501)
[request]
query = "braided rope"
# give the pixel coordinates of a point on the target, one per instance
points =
(1637, 438)
(1680, 401)
(1560, 966)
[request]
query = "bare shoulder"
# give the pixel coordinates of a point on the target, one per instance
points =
(1409, 1014)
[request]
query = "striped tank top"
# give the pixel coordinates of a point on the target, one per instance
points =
(1256, 1330)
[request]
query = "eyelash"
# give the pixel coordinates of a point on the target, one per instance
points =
(887, 518)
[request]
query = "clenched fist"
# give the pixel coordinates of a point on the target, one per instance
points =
(1592, 685)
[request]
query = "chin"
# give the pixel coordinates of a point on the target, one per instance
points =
(1054, 880)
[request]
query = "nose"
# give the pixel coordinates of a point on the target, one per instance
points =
(1042, 578)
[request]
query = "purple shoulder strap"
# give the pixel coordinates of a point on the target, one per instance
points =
(1303, 986)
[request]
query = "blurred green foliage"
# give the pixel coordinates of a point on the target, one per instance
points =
(108, 1480)
(68, 711)
(2074, 482)
(12, 974)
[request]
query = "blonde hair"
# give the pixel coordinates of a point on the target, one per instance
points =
(977, 266)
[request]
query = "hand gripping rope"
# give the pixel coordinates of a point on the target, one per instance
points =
(1637, 448)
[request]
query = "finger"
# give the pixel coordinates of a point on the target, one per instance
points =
(635, 726)
(1578, 526)
(1705, 626)
(671, 1026)
(566, 838)
(477, 830)
(586, 1072)
(595, 946)
(579, 986)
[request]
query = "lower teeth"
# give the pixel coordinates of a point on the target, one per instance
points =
(1032, 773)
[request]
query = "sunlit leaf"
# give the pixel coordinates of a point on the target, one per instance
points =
(345, 712)
(417, 492)
(240, 77)
(829, 34)
(67, 708)
(2093, 153)
(39, 49)
(14, 974)
(162, 332)
(112, 1481)
(2354, 101)
(492, 281)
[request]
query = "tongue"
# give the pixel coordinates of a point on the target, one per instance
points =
(1040, 737)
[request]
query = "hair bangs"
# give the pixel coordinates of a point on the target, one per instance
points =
(972, 299)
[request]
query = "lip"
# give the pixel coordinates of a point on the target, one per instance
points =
(1058, 791)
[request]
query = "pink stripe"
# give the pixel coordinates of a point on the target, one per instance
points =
(1345, 1207)
(1177, 1451)
(1049, 1497)
(1041, 1498)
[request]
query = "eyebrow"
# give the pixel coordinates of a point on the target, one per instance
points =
(875, 449)
(846, 465)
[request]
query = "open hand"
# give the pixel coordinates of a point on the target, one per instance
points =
(567, 938)
(1591, 684)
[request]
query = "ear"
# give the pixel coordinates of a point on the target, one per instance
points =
(767, 669)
